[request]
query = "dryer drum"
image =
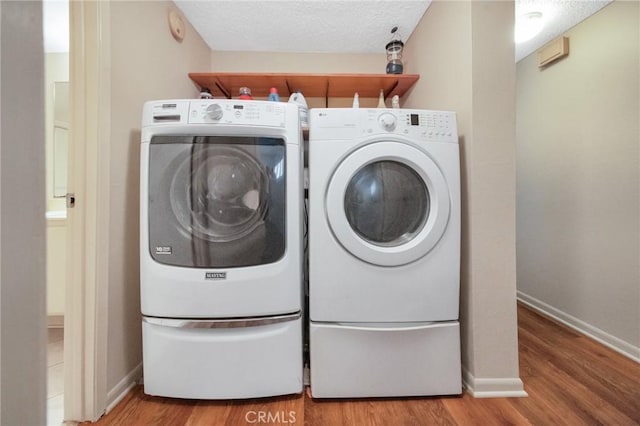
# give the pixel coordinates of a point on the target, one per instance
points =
(386, 203)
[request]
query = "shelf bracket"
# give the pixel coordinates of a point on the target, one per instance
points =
(326, 95)
(222, 89)
(286, 83)
(393, 88)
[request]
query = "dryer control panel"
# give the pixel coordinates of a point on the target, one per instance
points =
(418, 125)
(432, 126)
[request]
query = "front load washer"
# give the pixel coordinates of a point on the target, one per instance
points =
(384, 253)
(221, 248)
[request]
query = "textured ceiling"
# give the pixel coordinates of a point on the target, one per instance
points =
(558, 15)
(346, 26)
(303, 25)
(321, 26)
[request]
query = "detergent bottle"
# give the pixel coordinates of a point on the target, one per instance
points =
(273, 95)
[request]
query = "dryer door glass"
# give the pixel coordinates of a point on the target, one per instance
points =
(386, 203)
(216, 202)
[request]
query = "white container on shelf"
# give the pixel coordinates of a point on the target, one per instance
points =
(298, 99)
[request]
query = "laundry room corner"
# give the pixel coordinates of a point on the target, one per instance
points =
(473, 73)
(147, 62)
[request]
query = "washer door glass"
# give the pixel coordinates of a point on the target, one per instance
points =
(216, 201)
(388, 203)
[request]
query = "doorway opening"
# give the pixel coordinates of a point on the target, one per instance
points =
(57, 122)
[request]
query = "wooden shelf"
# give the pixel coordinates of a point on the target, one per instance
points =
(311, 85)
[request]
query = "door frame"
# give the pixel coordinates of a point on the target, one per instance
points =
(85, 344)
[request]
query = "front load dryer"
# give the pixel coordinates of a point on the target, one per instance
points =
(384, 253)
(221, 248)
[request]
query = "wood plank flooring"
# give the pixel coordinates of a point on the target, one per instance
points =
(571, 380)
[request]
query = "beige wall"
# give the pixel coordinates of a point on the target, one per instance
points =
(444, 67)
(464, 54)
(578, 179)
(146, 64)
(22, 218)
(314, 63)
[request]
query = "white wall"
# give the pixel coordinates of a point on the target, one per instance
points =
(146, 64)
(464, 54)
(56, 69)
(22, 218)
(579, 179)
(56, 270)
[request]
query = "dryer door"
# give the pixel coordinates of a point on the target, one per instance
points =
(388, 203)
(216, 201)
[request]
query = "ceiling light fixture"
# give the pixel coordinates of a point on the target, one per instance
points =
(528, 25)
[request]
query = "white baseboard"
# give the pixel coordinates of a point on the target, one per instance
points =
(55, 321)
(503, 387)
(610, 341)
(120, 390)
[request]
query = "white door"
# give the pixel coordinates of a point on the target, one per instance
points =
(388, 203)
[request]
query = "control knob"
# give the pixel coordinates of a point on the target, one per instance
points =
(387, 121)
(214, 112)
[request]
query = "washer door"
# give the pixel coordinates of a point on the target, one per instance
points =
(216, 201)
(388, 203)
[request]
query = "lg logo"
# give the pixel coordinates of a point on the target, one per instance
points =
(266, 417)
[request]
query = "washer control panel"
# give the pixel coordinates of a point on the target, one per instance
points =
(165, 112)
(213, 111)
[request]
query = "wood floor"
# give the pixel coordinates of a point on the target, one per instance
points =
(570, 379)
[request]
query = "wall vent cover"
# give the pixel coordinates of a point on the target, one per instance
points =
(551, 52)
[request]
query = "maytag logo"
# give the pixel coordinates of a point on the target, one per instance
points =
(215, 275)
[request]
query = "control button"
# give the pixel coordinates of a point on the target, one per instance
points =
(214, 112)
(387, 121)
